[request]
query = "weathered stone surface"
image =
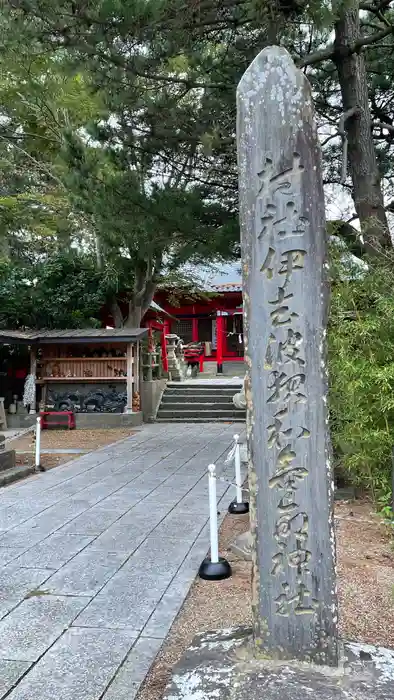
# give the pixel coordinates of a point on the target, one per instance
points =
(222, 665)
(79, 666)
(16, 583)
(28, 631)
(7, 554)
(130, 597)
(127, 681)
(53, 552)
(284, 260)
(177, 524)
(160, 622)
(93, 521)
(11, 516)
(36, 529)
(86, 573)
(10, 673)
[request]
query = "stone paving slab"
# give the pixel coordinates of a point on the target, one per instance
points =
(16, 583)
(10, 674)
(86, 574)
(96, 558)
(129, 598)
(93, 521)
(132, 673)
(176, 525)
(28, 631)
(167, 609)
(79, 666)
(53, 552)
(7, 554)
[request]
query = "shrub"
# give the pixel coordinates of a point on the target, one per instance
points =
(361, 364)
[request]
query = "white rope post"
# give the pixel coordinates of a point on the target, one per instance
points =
(213, 514)
(238, 477)
(38, 465)
(214, 568)
(239, 506)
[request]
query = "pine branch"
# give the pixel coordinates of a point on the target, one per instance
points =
(331, 51)
(383, 125)
(375, 8)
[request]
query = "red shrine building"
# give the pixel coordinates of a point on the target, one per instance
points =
(215, 321)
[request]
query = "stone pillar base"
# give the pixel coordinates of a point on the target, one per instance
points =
(224, 664)
(7, 460)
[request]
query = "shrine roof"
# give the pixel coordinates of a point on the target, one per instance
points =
(75, 335)
(224, 277)
(227, 287)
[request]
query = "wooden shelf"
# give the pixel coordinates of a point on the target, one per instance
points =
(83, 359)
(80, 380)
(84, 369)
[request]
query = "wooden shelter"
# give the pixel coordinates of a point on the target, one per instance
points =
(96, 356)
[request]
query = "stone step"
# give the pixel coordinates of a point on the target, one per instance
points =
(7, 459)
(208, 419)
(210, 414)
(199, 403)
(183, 404)
(14, 474)
(204, 384)
(211, 398)
(196, 391)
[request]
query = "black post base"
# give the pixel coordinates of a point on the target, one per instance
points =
(215, 571)
(219, 368)
(39, 468)
(238, 508)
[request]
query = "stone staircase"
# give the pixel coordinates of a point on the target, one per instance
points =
(193, 402)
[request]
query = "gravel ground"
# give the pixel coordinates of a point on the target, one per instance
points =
(365, 582)
(51, 439)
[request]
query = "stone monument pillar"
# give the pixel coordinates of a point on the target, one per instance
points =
(285, 306)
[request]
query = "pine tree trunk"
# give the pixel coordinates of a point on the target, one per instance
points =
(116, 314)
(135, 317)
(367, 192)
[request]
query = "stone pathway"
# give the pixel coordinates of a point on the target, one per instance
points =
(96, 558)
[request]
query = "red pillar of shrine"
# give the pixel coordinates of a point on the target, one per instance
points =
(194, 330)
(166, 331)
(219, 342)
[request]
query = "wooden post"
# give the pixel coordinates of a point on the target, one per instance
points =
(129, 379)
(283, 237)
(219, 342)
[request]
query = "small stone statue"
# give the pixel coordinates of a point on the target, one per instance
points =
(242, 545)
(239, 400)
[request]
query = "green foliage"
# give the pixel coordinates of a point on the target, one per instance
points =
(15, 295)
(65, 291)
(361, 362)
